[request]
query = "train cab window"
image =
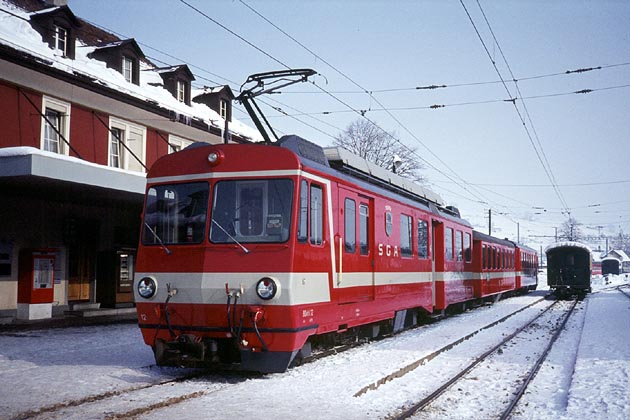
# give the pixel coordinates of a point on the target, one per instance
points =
(423, 239)
(448, 244)
(467, 248)
(175, 214)
(317, 215)
(350, 227)
(256, 210)
(459, 246)
(364, 223)
(406, 228)
(302, 233)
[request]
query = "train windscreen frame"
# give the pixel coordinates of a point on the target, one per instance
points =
(252, 211)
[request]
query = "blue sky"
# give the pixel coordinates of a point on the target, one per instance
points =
(480, 156)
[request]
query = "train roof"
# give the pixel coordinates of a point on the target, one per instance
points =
(567, 244)
(358, 168)
(487, 238)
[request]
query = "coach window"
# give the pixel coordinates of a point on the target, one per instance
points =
(459, 246)
(406, 227)
(448, 244)
(364, 223)
(484, 257)
(317, 215)
(389, 223)
(303, 212)
(350, 217)
(467, 250)
(423, 239)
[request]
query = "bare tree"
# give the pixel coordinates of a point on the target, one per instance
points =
(570, 230)
(365, 139)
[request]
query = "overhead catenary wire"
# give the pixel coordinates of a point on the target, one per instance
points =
(538, 152)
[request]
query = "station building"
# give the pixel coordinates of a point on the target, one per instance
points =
(83, 114)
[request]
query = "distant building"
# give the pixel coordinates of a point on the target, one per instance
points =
(83, 115)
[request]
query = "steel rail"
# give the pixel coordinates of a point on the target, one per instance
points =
(538, 364)
(442, 389)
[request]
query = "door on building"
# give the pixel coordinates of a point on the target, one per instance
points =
(81, 261)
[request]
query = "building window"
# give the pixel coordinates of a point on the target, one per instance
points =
(127, 145)
(177, 143)
(60, 39)
(181, 91)
(55, 126)
(223, 108)
(115, 150)
(127, 68)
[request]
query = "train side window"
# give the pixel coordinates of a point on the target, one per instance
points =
(467, 249)
(448, 244)
(350, 224)
(423, 239)
(406, 228)
(317, 215)
(364, 223)
(302, 233)
(484, 257)
(389, 223)
(459, 241)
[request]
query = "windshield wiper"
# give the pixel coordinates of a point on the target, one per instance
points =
(168, 251)
(231, 237)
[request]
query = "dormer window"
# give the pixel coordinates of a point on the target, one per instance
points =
(60, 40)
(58, 27)
(181, 91)
(177, 80)
(223, 108)
(127, 68)
(122, 56)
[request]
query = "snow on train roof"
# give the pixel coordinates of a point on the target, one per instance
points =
(567, 244)
(339, 154)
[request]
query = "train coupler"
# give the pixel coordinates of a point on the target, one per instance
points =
(184, 350)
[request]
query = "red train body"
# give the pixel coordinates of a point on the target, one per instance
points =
(248, 252)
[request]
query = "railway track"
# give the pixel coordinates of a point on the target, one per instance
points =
(131, 402)
(507, 391)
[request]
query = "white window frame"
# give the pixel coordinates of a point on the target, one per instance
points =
(64, 109)
(179, 142)
(127, 68)
(58, 39)
(127, 162)
(181, 91)
(223, 108)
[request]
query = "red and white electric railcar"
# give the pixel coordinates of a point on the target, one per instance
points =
(247, 251)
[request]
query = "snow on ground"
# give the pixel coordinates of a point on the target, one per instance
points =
(46, 367)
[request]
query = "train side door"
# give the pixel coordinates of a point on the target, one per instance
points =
(354, 246)
(437, 258)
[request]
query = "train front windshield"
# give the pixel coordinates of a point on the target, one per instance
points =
(175, 214)
(251, 211)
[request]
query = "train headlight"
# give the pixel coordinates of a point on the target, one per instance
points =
(215, 157)
(267, 288)
(147, 287)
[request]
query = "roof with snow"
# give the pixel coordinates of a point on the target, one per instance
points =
(567, 244)
(17, 33)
